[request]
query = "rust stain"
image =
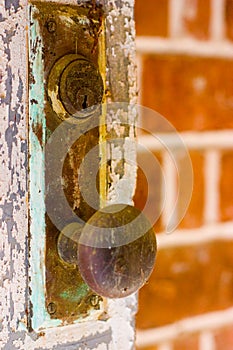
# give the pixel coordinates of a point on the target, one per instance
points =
(95, 25)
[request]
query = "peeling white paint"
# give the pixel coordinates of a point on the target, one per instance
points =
(117, 332)
(13, 172)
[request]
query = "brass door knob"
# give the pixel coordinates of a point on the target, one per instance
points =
(115, 250)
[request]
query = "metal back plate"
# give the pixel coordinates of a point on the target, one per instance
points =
(58, 293)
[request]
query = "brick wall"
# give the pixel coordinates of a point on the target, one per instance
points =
(185, 71)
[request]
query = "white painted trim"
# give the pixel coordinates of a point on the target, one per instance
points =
(209, 321)
(212, 178)
(205, 234)
(186, 46)
(220, 140)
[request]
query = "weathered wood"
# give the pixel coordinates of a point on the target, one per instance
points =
(117, 332)
(13, 173)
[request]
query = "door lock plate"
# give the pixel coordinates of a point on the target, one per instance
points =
(65, 47)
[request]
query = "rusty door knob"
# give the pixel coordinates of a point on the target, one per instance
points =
(116, 250)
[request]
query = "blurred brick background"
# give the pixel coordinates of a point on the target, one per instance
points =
(185, 72)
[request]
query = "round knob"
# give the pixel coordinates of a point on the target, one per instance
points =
(116, 250)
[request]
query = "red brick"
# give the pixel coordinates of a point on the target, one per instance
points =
(196, 18)
(187, 281)
(146, 176)
(224, 339)
(152, 347)
(194, 215)
(151, 17)
(229, 18)
(193, 93)
(187, 342)
(226, 184)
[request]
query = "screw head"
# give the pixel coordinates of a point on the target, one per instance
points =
(94, 300)
(51, 307)
(51, 26)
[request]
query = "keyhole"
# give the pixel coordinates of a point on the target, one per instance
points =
(85, 104)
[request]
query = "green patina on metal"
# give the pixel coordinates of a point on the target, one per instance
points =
(58, 293)
(80, 293)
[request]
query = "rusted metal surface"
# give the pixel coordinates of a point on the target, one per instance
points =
(69, 39)
(74, 85)
(65, 30)
(80, 84)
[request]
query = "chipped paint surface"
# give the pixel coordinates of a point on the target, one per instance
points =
(122, 87)
(13, 173)
(115, 329)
